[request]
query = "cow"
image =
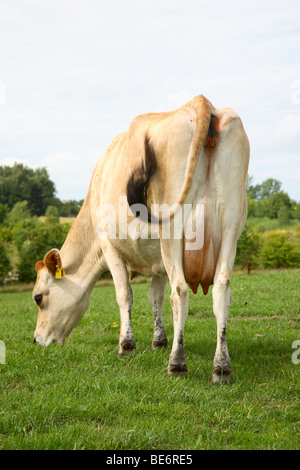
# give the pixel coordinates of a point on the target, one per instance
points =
(195, 156)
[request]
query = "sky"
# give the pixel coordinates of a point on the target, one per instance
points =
(74, 73)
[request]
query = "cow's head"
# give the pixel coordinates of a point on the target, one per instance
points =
(60, 298)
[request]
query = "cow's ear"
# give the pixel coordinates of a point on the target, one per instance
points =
(39, 265)
(53, 263)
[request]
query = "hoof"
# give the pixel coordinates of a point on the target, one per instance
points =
(163, 344)
(177, 369)
(221, 376)
(126, 347)
(124, 352)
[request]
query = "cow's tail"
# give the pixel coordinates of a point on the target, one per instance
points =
(139, 181)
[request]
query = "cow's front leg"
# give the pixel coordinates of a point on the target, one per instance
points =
(221, 303)
(156, 296)
(126, 338)
(124, 297)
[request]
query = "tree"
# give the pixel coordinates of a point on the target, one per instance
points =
(269, 187)
(271, 205)
(19, 183)
(262, 191)
(247, 248)
(70, 209)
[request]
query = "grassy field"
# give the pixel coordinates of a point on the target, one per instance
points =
(83, 396)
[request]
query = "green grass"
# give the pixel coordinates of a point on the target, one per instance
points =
(83, 396)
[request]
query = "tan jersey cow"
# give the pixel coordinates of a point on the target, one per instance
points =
(196, 158)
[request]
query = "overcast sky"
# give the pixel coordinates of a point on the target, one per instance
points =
(73, 73)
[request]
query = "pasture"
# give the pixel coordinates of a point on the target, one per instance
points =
(83, 396)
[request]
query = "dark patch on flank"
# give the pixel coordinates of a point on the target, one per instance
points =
(211, 139)
(138, 183)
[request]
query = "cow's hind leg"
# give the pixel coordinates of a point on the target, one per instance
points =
(156, 296)
(172, 258)
(179, 301)
(124, 299)
(221, 304)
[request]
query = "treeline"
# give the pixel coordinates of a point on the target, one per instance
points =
(271, 237)
(25, 236)
(20, 183)
(269, 200)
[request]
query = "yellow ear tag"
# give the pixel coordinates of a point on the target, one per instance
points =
(57, 272)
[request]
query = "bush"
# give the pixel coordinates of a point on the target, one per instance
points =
(52, 214)
(283, 215)
(279, 252)
(5, 266)
(5, 234)
(19, 212)
(248, 248)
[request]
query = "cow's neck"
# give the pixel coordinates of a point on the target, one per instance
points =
(81, 254)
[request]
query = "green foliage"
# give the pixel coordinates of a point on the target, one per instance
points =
(52, 214)
(262, 224)
(5, 234)
(295, 210)
(277, 249)
(70, 208)
(279, 252)
(19, 212)
(5, 266)
(267, 200)
(269, 209)
(270, 206)
(23, 230)
(264, 190)
(19, 183)
(3, 212)
(269, 187)
(248, 248)
(283, 215)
